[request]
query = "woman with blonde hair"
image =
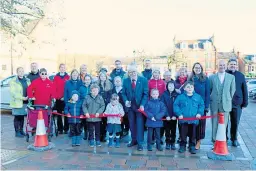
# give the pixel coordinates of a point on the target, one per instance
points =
(105, 91)
(19, 100)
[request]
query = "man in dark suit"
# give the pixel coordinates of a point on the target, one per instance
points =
(135, 95)
(239, 101)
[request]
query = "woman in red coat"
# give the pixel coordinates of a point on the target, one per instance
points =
(42, 90)
(156, 82)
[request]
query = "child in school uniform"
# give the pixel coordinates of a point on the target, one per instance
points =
(187, 105)
(155, 110)
(74, 108)
(114, 123)
(93, 105)
(170, 123)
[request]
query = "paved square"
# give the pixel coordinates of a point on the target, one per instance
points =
(14, 153)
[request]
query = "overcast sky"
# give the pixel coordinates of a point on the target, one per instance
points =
(117, 27)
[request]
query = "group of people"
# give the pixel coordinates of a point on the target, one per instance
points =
(137, 102)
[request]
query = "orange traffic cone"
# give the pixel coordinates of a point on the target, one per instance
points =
(220, 150)
(41, 139)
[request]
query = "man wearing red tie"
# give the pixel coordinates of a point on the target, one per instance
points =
(135, 95)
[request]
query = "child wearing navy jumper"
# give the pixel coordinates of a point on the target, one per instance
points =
(189, 104)
(170, 123)
(155, 110)
(74, 108)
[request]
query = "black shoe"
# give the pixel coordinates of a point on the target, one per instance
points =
(173, 147)
(140, 148)
(160, 148)
(182, 149)
(192, 150)
(22, 133)
(125, 133)
(103, 139)
(132, 143)
(168, 147)
(235, 143)
(18, 134)
(85, 136)
(60, 132)
(150, 147)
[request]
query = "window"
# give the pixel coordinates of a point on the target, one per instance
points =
(4, 67)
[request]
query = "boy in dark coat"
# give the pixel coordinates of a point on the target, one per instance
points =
(170, 124)
(155, 110)
(74, 108)
(189, 104)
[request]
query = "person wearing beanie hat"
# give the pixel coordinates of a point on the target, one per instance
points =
(74, 108)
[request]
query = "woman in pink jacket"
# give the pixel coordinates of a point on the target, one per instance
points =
(156, 82)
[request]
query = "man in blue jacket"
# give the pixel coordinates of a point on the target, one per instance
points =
(147, 73)
(135, 95)
(239, 101)
(118, 71)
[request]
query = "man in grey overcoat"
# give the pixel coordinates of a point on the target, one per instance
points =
(222, 89)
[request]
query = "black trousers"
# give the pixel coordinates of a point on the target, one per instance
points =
(84, 125)
(235, 116)
(18, 122)
(170, 131)
(103, 127)
(125, 124)
(157, 135)
(190, 131)
(94, 127)
(75, 129)
(60, 108)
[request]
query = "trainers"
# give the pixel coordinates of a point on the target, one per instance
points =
(139, 147)
(150, 147)
(98, 143)
(182, 149)
(117, 143)
(110, 142)
(173, 147)
(91, 143)
(192, 150)
(168, 147)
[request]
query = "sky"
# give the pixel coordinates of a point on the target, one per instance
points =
(118, 27)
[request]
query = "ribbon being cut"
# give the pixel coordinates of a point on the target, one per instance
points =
(103, 115)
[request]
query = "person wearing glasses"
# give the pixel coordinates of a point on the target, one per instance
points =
(202, 87)
(42, 89)
(240, 100)
(19, 100)
(135, 95)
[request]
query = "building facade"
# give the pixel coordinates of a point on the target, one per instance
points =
(188, 52)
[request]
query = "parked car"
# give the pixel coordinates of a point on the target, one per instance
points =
(252, 93)
(5, 91)
(251, 84)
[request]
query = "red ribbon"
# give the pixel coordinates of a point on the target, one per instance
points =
(186, 119)
(102, 115)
